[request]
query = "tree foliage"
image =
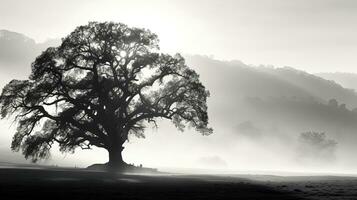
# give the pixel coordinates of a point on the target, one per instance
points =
(103, 83)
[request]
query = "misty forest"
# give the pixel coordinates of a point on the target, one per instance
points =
(139, 109)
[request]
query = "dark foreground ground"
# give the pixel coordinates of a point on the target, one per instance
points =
(57, 183)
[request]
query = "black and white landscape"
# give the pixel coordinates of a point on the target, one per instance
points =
(281, 106)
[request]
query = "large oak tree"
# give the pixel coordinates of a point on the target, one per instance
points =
(103, 83)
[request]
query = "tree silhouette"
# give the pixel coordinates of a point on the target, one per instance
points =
(316, 146)
(103, 83)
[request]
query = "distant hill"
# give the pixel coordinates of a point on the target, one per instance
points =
(235, 79)
(347, 80)
(16, 47)
(322, 88)
(284, 99)
(18, 51)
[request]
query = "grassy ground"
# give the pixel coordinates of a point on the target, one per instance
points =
(56, 183)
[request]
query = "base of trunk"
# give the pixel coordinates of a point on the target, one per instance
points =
(115, 162)
(121, 169)
(109, 167)
(117, 166)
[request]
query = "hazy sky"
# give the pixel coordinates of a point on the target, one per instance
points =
(313, 35)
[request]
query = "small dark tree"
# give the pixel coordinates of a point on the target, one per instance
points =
(316, 146)
(103, 83)
(333, 103)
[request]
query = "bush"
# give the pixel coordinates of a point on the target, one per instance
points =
(315, 146)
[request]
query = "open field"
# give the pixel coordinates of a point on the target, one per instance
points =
(25, 183)
(64, 183)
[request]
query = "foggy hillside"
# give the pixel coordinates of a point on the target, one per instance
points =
(295, 98)
(275, 105)
(318, 86)
(291, 92)
(265, 81)
(348, 80)
(17, 51)
(261, 110)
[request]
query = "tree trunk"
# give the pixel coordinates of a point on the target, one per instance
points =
(115, 150)
(115, 158)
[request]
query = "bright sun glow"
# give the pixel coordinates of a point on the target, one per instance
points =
(122, 54)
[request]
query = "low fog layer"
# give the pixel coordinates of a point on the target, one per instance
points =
(264, 118)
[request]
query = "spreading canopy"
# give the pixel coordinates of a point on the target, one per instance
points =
(103, 83)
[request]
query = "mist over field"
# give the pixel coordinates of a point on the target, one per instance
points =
(265, 118)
